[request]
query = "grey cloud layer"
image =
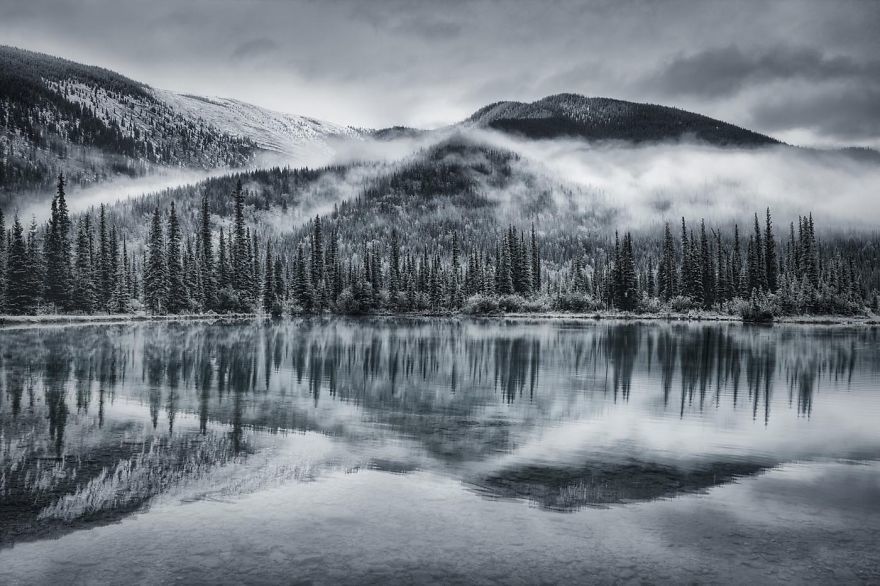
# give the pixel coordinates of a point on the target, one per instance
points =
(427, 63)
(717, 72)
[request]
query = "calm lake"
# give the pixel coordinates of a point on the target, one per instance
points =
(396, 450)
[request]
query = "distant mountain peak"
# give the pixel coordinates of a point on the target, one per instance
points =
(573, 115)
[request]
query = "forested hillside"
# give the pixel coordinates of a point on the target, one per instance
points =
(460, 226)
(93, 124)
(571, 115)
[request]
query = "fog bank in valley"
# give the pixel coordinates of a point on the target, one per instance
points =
(651, 183)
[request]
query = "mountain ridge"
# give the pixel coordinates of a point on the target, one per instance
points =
(93, 124)
(598, 118)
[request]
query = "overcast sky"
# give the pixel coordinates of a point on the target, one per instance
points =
(806, 72)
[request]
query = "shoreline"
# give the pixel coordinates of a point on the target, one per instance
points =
(23, 321)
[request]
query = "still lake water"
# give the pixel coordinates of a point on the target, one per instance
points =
(382, 450)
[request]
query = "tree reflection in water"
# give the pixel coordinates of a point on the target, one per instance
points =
(150, 404)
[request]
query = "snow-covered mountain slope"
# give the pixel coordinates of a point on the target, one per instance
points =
(94, 124)
(278, 132)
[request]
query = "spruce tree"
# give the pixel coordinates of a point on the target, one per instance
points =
(707, 274)
(241, 266)
(737, 281)
(302, 290)
(36, 272)
(760, 268)
(332, 272)
(120, 301)
(812, 254)
(317, 267)
(668, 269)
(206, 258)
(626, 286)
(771, 267)
(84, 298)
(19, 297)
(176, 298)
(278, 280)
(155, 271)
(256, 274)
(269, 291)
(503, 278)
(536, 263)
(753, 268)
(223, 278)
(58, 255)
(394, 267)
(685, 279)
(104, 265)
(722, 292)
(455, 294)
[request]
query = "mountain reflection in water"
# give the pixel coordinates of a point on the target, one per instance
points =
(97, 421)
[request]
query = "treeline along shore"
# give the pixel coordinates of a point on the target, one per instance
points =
(72, 267)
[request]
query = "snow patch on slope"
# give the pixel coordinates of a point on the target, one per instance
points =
(299, 137)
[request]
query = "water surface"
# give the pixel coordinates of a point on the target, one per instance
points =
(381, 450)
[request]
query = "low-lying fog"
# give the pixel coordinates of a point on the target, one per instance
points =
(647, 184)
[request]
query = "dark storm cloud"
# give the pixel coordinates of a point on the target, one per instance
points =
(429, 63)
(723, 71)
(840, 113)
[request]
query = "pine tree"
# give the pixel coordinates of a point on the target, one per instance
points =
(722, 292)
(19, 297)
(176, 299)
(455, 294)
(771, 268)
(206, 257)
(278, 279)
(525, 266)
(223, 278)
(625, 282)
(256, 289)
(192, 279)
(394, 267)
(331, 266)
(241, 266)
(503, 278)
(155, 270)
(707, 274)
(269, 291)
(120, 302)
(536, 263)
(114, 259)
(760, 268)
(685, 279)
(302, 289)
(435, 291)
(317, 267)
(753, 268)
(809, 252)
(737, 281)
(84, 291)
(104, 265)
(36, 273)
(694, 262)
(668, 269)
(57, 251)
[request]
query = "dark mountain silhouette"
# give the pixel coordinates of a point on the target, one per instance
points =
(571, 115)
